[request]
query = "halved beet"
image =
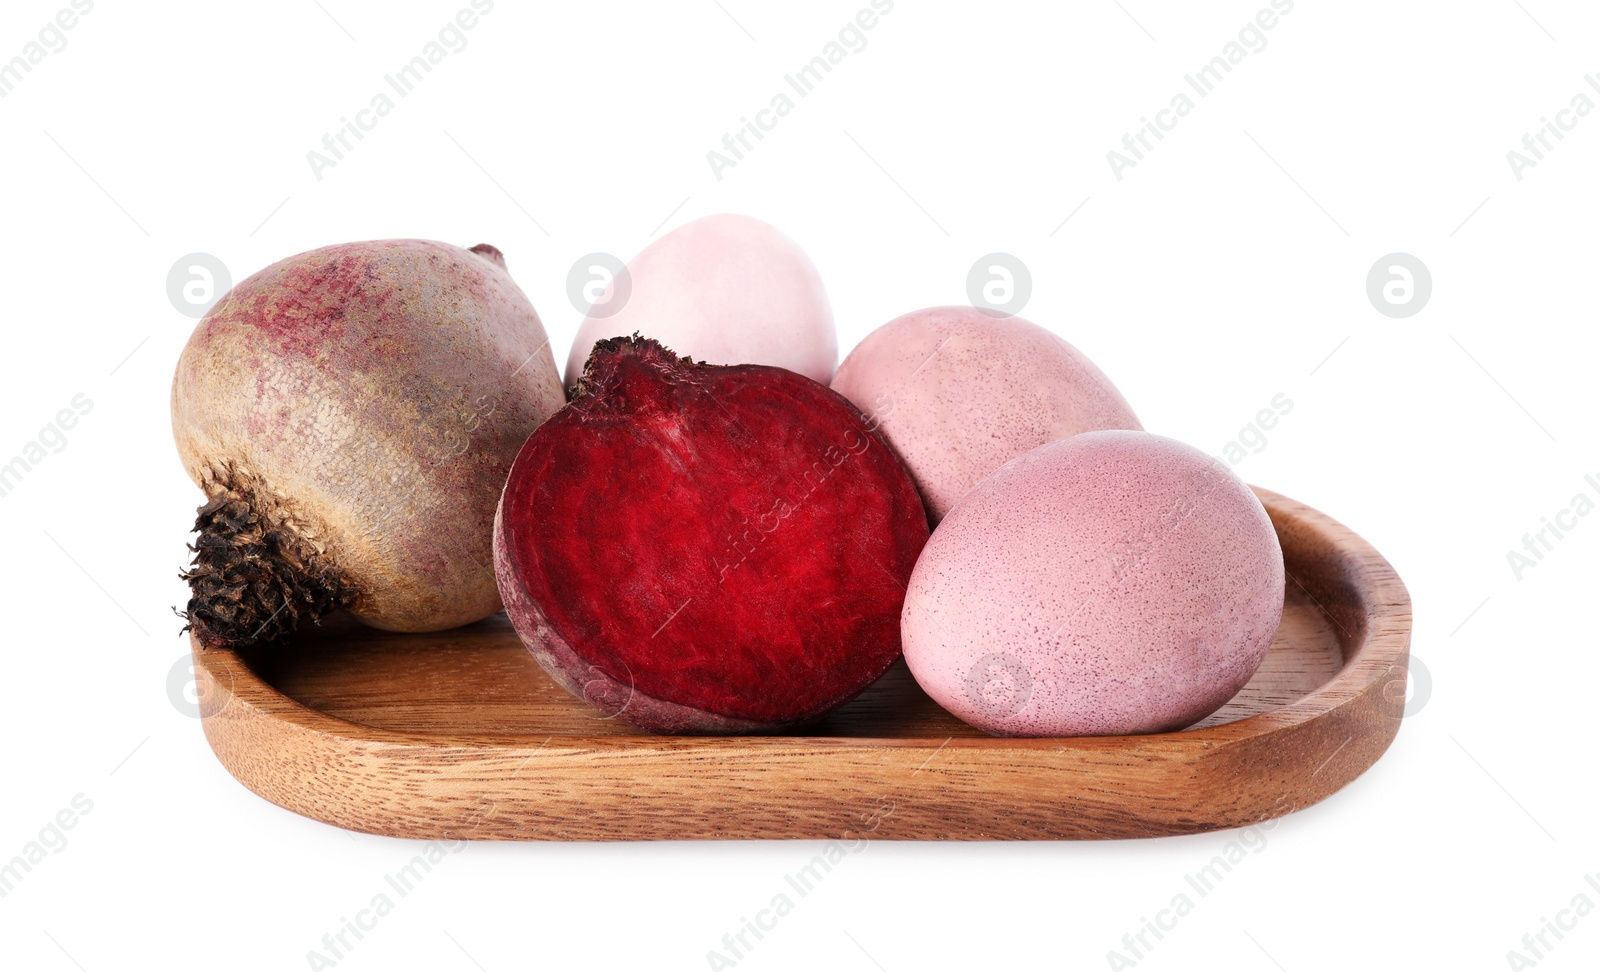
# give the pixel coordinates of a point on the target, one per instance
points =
(697, 548)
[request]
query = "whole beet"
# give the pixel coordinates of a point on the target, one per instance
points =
(351, 413)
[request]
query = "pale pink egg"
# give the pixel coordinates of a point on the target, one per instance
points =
(960, 392)
(1108, 583)
(724, 289)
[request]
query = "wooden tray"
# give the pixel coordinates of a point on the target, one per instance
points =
(461, 735)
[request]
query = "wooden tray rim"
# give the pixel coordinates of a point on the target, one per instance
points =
(1381, 653)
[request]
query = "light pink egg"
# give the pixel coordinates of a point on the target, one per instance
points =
(724, 289)
(960, 393)
(1113, 582)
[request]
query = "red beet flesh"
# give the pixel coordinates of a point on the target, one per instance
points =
(695, 548)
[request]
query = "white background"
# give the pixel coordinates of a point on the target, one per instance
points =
(1226, 268)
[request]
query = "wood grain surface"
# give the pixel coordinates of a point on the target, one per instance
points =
(460, 735)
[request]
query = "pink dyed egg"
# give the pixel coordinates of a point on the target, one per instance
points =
(724, 289)
(1113, 582)
(960, 393)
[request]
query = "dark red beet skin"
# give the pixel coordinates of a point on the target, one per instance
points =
(695, 548)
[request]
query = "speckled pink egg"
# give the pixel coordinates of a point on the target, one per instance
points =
(724, 289)
(960, 393)
(1112, 582)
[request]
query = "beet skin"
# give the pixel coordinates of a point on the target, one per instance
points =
(351, 413)
(699, 549)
